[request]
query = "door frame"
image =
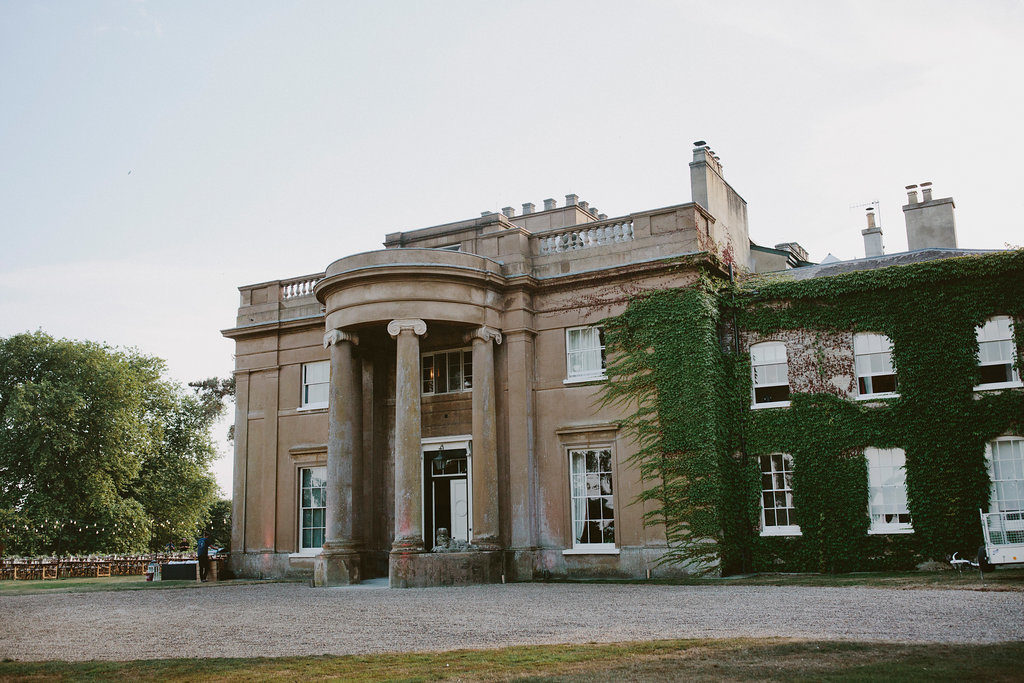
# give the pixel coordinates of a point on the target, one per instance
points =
(431, 443)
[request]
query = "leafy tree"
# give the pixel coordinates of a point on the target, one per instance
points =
(97, 452)
(219, 525)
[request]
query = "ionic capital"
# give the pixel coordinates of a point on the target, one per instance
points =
(485, 333)
(414, 325)
(335, 336)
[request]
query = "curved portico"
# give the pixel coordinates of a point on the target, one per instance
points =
(410, 293)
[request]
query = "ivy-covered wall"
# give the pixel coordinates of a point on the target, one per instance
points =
(683, 355)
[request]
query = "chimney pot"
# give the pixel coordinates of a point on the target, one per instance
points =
(528, 207)
(508, 211)
(911, 194)
(926, 192)
(871, 218)
(571, 199)
(550, 204)
(700, 143)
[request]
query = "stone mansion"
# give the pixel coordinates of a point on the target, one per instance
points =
(430, 412)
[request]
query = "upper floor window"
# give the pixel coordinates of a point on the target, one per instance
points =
(778, 514)
(447, 372)
(312, 507)
(872, 358)
(584, 353)
(887, 491)
(997, 353)
(1006, 470)
(593, 503)
(316, 383)
(770, 369)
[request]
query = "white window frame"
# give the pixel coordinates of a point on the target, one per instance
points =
(585, 376)
(989, 332)
(754, 365)
(303, 384)
(881, 477)
(310, 550)
(463, 351)
(574, 508)
(996, 504)
(777, 529)
(866, 338)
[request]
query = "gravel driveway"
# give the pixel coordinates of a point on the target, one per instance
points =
(293, 619)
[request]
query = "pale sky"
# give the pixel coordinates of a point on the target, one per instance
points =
(156, 155)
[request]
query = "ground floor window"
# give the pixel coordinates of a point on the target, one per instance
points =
(593, 503)
(312, 507)
(1006, 470)
(778, 514)
(887, 490)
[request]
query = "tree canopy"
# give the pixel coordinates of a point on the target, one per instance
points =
(98, 452)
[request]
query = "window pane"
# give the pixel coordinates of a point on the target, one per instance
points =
(455, 370)
(593, 508)
(317, 372)
(467, 369)
(317, 393)
(776, 490)
(441, 374)
(428, 374)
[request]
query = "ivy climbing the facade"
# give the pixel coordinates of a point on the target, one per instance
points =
(867, 441)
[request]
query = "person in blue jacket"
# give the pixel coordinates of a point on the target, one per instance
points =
(203, 551)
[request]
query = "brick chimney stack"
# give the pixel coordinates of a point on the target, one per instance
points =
(930, 222)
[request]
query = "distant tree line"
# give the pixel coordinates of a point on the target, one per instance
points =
(99, 453)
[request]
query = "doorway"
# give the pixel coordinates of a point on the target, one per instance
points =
(447, 492)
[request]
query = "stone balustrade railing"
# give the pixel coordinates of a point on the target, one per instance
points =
(586, 236)
(296, 287)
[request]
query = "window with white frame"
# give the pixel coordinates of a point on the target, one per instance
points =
(584, 353)
(770, 370)
(316, 384)
(447, 372)
(778, 515)
(1006, 470)
(593, 503)
(997, 354)
(312, 507)
(887, 491)
(872, 358)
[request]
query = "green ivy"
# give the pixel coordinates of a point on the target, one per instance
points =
(674, 361)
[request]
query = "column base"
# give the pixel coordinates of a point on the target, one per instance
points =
(335, 567)
(416, 570)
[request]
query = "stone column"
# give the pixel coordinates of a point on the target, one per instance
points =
(486, 531)
(408, 461)
(339, 563)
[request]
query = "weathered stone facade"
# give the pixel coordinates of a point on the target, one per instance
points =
(505, 295)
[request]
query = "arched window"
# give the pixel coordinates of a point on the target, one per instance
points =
(770, 369)
(997, 354)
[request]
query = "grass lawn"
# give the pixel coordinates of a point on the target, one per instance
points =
(730, 659)
(1002, 579)
(112, 583)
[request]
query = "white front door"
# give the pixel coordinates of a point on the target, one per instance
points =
(460, 509)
